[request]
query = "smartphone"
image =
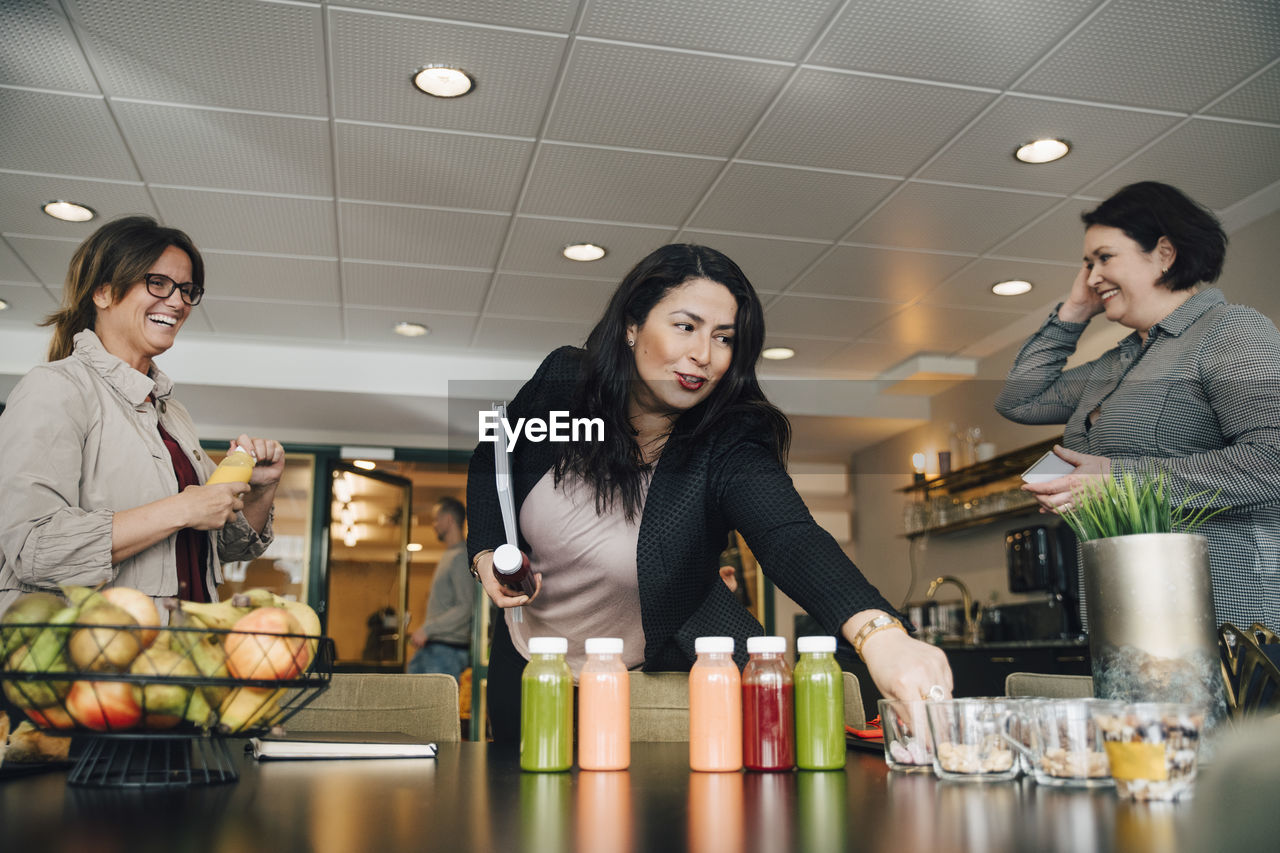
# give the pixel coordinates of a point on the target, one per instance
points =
(1051, 466)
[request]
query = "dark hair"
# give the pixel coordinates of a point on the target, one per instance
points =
(454, 507)
(118, 254)
(1149, 210)
(615, 466)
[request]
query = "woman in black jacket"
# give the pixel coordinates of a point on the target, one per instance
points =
(627, 527)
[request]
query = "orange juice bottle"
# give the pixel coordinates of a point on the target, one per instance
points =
(604, 707)
(236, 467)
(715, 707)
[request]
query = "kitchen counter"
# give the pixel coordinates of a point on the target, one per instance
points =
(1079, 642)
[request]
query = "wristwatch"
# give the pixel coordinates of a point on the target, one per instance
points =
(475, 572)
(870, 627)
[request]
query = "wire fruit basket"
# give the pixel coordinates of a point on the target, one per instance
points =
(153, 706)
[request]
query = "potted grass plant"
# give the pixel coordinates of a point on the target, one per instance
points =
(1148, 596)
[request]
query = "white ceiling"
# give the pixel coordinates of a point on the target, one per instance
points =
(854, 156)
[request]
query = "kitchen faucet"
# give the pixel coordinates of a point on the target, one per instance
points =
(970, 619)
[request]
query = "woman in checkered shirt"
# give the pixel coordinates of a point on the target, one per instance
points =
(1194, 391)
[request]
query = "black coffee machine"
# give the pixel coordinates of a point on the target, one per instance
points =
(1042, 558)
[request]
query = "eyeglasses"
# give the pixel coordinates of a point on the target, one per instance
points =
(162, 287)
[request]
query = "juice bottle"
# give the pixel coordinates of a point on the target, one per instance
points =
(768, 712)
(235, 467)
(511, 569)
(819, 687)
(604, 707)
(715, 707)
(546, 707)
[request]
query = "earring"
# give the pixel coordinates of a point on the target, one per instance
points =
(630, 342)
(1164, 270)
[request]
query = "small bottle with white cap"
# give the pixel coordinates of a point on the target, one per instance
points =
(546, 707)
(768, 709)
(604, 707)
(715, 707)
(819, 688)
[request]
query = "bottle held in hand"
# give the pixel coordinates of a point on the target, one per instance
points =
(236, 467)
(512, 570)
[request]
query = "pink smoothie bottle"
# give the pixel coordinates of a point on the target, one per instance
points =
(715, 707)
(604, 707)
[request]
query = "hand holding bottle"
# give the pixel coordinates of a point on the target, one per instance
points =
(270, 459)
(212, 507)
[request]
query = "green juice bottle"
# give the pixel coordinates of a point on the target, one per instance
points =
(546, 707)
(819, 691)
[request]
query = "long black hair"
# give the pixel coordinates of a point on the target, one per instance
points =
(615, 467)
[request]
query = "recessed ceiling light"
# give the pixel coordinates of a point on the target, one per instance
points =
(1042, 151)
(3, 305)
(414, 547)
(778, 353)
(1013, 287)
(583, 252)
(441, 81)
(364, 464)
(412, 330)
(69, 211)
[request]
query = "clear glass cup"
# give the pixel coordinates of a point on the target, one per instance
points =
(1067, 747)
(1022, 726)
(906, 735)
(1151, 747)
(971, 739)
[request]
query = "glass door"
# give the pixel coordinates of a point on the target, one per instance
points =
(368, 568)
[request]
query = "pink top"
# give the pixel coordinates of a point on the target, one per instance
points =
(588, 565)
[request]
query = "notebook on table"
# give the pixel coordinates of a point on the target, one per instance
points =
(341, 745)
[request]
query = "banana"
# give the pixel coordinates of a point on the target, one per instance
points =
(248, 707)
(81, 597)
(255, 598)
(220, 615)
(310, 623)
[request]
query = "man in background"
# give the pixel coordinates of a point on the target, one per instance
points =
(443, 641)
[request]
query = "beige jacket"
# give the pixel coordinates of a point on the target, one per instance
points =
(78, 442)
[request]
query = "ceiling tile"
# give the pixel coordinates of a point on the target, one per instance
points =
(621, 186)
(231, 276)
(12, 269)
(942, 329)
(22, 196)
(554, 15)
(1059, 236)
(535, 246)
(47, 257)
(548, 298)
(416, 288)
(251, 223)
(984, 44)
(774, 200)
(810, 352)
(504, 334)
(1215, 162)
(817, 316)
(447, 238)
(776, 30)
(44, 132)
(770, 264)
(871, 357)
(40, 50)
(642, 98)
(372, 326)
(274, 320)
(439, 169)
(228, 150)
(213, 54)
(971, 288)
(1099, 138)
(29, 304)
(875, 273)
(931, 216)
(1257, 100)
(376, 56)
(1167, 54)
(834, 120)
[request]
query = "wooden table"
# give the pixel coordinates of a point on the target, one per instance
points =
(474, 797)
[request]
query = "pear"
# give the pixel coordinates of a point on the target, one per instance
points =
(36, 694)
(186, 630)
(110, 648)
(31, 608)
(210, 660)
(81, 597)
(220, 615)
(163, 705)
(310, 624)
(249, 707)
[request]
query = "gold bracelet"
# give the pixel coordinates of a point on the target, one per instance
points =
(474, 572)
(870, 627)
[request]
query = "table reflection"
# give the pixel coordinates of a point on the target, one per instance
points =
(820, 810)
(604, 818)
(769, 806)
(715, 812)
(544, 812)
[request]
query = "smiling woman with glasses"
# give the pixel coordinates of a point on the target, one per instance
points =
(101, 478)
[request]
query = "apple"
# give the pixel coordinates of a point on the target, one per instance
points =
(140, 606)
(104, 706)
(254, 652)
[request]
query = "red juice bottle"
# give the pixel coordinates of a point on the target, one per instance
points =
(768, 707)
(511, 569)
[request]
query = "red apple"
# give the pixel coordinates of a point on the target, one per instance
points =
(104, 706)
(254, 652)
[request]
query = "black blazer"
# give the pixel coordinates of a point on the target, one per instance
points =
(700, 491)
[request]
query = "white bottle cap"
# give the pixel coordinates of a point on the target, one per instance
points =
(712, 645)
(604, 646)
(507, 559)
(815, 644)
(548, 645)
(766, 645)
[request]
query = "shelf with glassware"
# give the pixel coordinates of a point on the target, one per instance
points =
(974, 495)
